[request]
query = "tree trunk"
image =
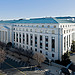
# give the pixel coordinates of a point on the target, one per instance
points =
(28, 60)
(39, 65)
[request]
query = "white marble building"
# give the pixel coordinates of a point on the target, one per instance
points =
(50, 36)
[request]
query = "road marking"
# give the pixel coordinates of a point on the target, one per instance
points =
(16, 68)
(29, 67)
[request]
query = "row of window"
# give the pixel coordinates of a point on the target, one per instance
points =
(38, 26)
(46, 53)
(41, 31)
(62, 26)
(18, 37)
(66, 42)
(67, 31)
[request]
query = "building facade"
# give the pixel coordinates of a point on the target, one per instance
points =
(50, 36)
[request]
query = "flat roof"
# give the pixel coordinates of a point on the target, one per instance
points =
(52, 20)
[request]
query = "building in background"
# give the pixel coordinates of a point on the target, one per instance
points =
(51, 36)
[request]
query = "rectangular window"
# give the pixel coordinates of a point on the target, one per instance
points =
(53, 43)
(26, 29)
(31, 42)
(23, 41)
(52, 55)
(31, 39)
(23, 38)
(40, 37)
(46, 42)
(20, 46)
(16, 37)
(23, 46)
(35, 49)
(27, 38)
(64, 43)
(47, 53)
(69, 40)
(40, 41)
(35, 40)
(31, 48)
(40, 51)
(20, 37)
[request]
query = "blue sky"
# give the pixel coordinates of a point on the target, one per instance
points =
(15, 9)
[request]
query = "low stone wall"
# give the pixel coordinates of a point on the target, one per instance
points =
(57, 65)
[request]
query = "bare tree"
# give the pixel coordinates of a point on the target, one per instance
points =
(8, 45)
(39, 57)
(2, 56)
(2, 45)
(29, 54)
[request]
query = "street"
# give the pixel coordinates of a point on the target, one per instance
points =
(12, 67)
(10, 64)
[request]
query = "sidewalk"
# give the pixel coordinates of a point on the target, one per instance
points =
(54, 70)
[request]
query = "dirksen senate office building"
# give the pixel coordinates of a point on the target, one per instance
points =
(51, 36)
